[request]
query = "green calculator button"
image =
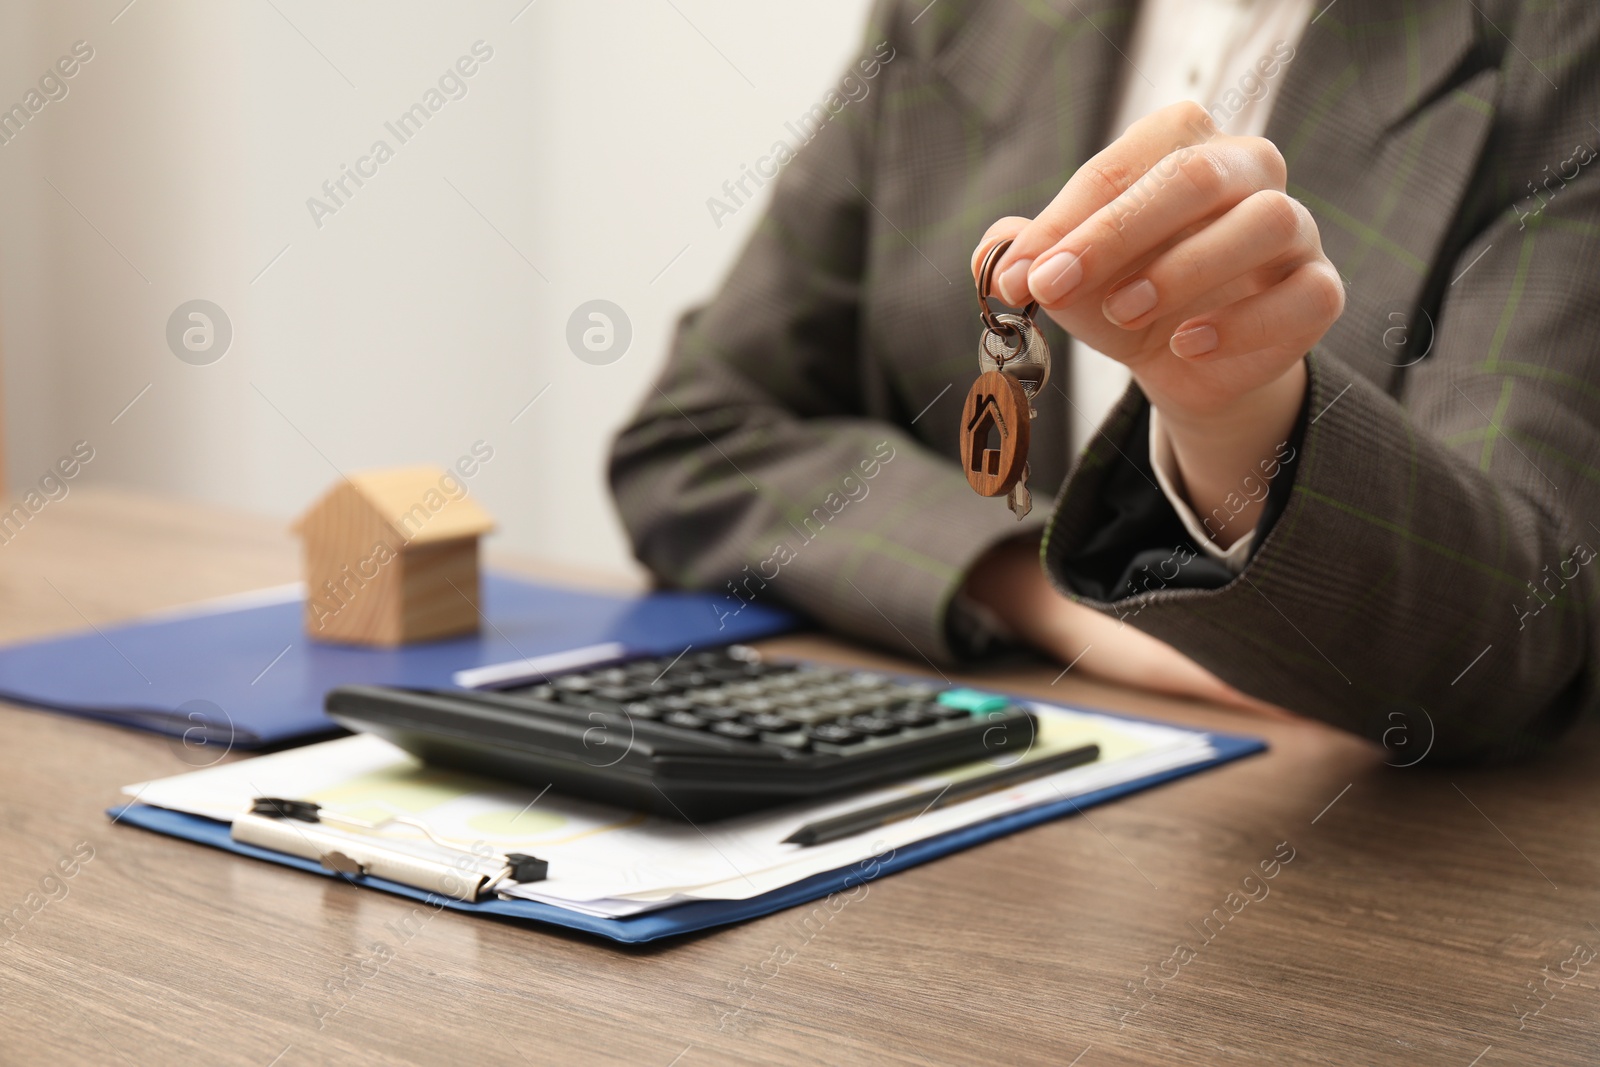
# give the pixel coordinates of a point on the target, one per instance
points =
(973, 701)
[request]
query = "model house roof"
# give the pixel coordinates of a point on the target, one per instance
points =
(421, 505)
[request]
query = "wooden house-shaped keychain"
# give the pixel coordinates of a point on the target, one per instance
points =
(391, 557)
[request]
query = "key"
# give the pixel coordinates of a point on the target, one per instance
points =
(772, 724)
(714, 714)
(1019, 500)
(796, 742)
(911, 716)
(871, 725)
(834, 734)
(1025, 357)
(1013, 366)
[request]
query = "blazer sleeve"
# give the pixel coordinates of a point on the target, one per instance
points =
(756, 465)
(1432, 578)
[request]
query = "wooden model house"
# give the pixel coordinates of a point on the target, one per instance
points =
(392, 557)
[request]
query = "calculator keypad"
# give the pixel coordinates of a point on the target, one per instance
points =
(729, 693)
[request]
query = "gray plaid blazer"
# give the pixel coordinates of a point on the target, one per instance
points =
(1433, 560)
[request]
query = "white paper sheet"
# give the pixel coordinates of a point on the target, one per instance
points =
(611, 861)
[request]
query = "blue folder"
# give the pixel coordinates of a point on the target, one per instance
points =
(250, 677)
(704, 914)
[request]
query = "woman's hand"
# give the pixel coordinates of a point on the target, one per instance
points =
(1177, 252)
(1009, 582)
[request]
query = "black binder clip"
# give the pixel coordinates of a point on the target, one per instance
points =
(470, 875)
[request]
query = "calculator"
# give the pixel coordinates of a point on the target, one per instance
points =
(709, 734)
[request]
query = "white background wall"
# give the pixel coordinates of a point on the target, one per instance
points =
(414, 322)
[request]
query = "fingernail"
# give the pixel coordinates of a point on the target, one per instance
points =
(1195, 342)
(1057, 277)
(1131, 301)
(1014, 283)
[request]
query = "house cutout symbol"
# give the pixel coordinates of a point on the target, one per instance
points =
(986, 460)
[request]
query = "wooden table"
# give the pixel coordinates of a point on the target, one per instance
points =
(1420, 909)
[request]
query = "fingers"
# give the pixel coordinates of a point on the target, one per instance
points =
(1003, 230)
(1291, 316)
(1265, 228)
(1175, 223)
(1180, 193)
(1100, 181)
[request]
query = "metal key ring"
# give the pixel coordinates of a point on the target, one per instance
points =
(985, 282)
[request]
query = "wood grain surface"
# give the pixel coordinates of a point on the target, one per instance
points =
(1420, 910)
(995, 404)
(391, 559)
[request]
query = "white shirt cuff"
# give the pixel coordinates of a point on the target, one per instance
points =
(1235, 556)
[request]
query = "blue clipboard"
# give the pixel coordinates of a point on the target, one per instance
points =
(249, 677)
(705, 914)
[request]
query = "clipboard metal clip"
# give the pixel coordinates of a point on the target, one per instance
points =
(302, 828)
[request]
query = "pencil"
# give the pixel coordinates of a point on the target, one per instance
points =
(855, 822)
